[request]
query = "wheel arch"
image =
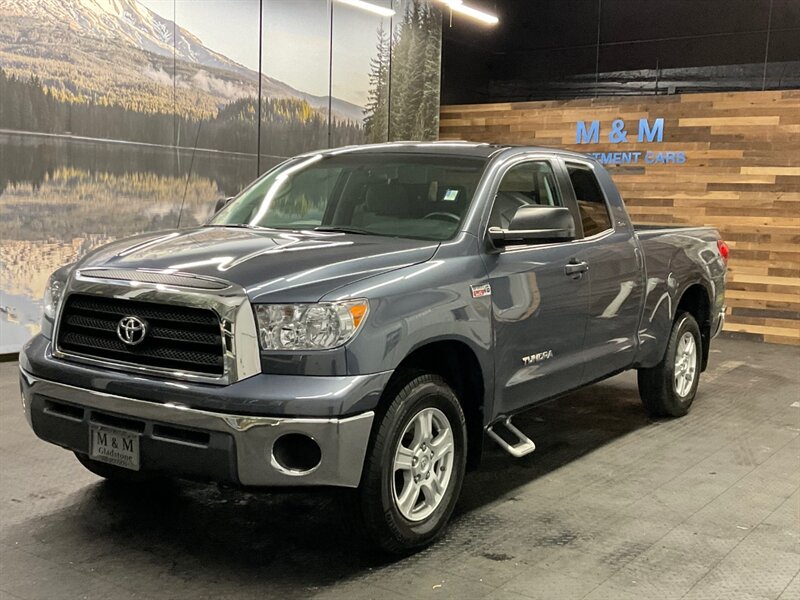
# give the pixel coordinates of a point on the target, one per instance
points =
(458, 364)
(696, 300)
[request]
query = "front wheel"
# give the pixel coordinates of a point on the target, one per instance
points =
(415, 466)
(669, 388)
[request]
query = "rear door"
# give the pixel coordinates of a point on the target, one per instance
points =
(615, 275)
(539, 311)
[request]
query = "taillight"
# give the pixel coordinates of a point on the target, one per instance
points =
(724, 251)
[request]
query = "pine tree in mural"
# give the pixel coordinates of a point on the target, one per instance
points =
(376, 122)
(413, 79)
(429, 105)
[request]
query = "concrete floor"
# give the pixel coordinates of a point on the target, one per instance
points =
(611, 505)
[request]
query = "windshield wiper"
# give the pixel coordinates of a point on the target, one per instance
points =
(345, 229)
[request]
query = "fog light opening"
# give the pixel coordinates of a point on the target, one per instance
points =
(295, 454)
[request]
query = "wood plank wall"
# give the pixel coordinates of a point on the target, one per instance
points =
(741, 175)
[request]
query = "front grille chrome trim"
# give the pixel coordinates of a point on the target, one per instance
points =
(241, 356)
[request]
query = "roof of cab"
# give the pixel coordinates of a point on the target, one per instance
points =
(449, 147)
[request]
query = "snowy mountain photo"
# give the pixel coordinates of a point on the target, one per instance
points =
(120, 52)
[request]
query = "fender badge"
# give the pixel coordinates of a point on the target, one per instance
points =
(479, 291)
(537, 358)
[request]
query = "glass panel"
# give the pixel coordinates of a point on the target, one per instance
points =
(591, 202)
(416, 71)
(84, 184)
(295, 82)
(360, 75)
(417, 196)
(522, 185)
(216, 96)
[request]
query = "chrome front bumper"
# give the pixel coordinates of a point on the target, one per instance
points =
(343, 442)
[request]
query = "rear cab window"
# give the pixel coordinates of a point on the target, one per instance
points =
(591, 201)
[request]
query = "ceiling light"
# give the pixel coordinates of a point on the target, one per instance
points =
(459, 7)
(373, 8)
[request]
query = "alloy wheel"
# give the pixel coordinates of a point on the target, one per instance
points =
(423, 464)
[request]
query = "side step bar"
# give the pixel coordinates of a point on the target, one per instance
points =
(523, 446)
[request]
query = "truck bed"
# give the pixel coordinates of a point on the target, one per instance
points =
(648, 231)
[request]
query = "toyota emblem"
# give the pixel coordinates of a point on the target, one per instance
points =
(131, 330)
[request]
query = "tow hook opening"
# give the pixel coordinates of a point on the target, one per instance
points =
(296, 454)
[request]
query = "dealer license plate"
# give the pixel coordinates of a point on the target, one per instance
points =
(114, 446)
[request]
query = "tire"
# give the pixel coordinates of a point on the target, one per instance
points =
(663, 395)
(113, 473)
(400, 527)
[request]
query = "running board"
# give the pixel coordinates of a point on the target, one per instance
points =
(523, 446)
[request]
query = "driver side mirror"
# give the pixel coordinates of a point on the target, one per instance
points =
(534, 224)
(222, 203)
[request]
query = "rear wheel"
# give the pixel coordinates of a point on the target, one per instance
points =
(415, 466)
(669, 388)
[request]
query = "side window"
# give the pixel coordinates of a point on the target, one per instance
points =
(591, 203)
(524, 184)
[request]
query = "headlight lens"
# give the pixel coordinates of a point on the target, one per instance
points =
(309, 326)
(52, 296)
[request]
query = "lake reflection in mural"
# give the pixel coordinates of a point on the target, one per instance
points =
(59, 198)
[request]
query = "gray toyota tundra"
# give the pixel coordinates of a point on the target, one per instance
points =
(365, 318)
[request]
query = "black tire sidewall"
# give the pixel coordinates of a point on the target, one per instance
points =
(425, 391)
(683, 324)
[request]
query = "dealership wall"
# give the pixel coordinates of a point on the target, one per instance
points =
(136, 115)
(741, 174)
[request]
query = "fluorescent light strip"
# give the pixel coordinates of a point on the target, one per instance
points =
(373, 8)
(459, 7)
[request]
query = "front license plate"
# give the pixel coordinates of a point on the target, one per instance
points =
(114, 446)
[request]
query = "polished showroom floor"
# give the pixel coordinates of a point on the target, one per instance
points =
(611, 505)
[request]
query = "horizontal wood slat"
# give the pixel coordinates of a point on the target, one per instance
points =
(742, 175)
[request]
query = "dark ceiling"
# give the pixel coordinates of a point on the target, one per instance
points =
(572, 48)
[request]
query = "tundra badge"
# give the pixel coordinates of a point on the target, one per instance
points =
(536, 358)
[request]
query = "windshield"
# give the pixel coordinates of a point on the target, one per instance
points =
(406, 195)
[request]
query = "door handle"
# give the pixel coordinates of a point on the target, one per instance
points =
(576, 269)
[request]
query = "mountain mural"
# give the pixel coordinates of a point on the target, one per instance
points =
(114, 120)
(120, 53)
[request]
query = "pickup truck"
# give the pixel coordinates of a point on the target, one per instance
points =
(367, 317)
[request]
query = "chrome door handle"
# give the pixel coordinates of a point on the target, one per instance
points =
(576, 268)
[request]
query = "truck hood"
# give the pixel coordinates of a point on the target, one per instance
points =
(273, 266)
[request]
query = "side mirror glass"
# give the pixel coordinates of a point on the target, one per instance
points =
(534, 224)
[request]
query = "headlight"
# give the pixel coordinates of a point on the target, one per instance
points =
(52, 295)
(309, 326)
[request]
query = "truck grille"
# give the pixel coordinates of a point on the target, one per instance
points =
(179, 338)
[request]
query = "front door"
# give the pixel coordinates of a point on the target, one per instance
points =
(539, 308)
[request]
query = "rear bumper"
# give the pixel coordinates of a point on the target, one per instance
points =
(195, 443)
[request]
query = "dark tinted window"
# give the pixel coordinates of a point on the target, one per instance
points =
(592, 204)
(524, 184)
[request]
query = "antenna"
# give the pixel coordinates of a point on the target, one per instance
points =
(189, 175)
